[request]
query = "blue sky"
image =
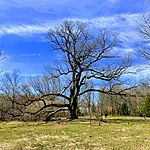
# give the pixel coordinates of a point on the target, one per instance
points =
(24, 25)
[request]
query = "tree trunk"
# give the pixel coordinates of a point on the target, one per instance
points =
(73, 110)
(73, 114)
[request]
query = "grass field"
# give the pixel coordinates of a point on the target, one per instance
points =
(117, 133)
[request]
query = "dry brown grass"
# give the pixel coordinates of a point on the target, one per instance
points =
(125, 133)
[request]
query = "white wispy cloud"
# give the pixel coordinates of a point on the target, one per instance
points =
(142, 69)
(124, 24)
(123, 49)
(114, 1)
(138, 73)
(30, 55)
(25, 29)
(113, 22)
(38, 5)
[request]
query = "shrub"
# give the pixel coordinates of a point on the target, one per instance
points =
(145, 106)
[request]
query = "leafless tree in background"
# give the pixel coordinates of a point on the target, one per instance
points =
(11, 91)
(144, 31)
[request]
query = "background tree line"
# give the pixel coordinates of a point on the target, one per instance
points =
(20, 100)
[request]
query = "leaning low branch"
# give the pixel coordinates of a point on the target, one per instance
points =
(54, 112)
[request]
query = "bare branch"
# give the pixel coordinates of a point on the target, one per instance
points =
(54, 112)
(144, 32)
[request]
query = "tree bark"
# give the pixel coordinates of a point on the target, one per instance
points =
(73, 110)
(52, 113)
(73, 114)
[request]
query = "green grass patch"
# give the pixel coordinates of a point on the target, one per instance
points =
(116, 133)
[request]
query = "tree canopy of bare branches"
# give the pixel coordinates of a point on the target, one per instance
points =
(86, 57)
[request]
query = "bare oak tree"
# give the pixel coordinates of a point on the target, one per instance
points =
(85, 57)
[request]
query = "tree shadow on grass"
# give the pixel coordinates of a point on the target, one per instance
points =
(118, 120)
(114, 120)
(125, 120)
